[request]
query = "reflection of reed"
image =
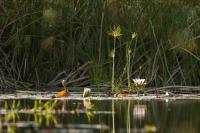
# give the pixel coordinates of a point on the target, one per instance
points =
(47, 118)
(128, 119)
(113, 117)
(63, 103)
(1, 124)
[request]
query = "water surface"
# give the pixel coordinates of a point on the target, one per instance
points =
(103, 116)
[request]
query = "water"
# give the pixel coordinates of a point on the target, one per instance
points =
(103, 116)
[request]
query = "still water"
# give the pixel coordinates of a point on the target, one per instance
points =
(103, 116)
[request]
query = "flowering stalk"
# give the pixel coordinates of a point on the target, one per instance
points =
(116, 33)
(128, 58)
(128, 62)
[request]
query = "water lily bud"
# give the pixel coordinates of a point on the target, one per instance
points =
(133, 35)
(112, 53)
(86, 92)
(129, 51)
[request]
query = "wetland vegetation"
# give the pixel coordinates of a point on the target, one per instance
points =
(45, 41)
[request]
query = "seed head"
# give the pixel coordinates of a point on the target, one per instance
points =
(115, 32)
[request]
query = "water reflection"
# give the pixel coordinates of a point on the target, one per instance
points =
(116, 116)
(139, 111)
(113, 116)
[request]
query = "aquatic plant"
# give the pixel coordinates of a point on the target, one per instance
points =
(138, 84)
(128, 58)
(115, 33)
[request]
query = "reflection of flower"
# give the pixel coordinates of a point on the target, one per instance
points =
(88, 107)
(139, 111)
(87, 104)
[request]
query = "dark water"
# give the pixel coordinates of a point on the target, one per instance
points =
(103, 116)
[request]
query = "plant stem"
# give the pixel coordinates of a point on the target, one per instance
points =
(128, 68)
(113, 67)
(138, 94)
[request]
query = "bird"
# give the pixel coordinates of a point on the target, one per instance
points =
(122, 94)
(64, 92)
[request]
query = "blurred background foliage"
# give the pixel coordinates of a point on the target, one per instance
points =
(40, 38)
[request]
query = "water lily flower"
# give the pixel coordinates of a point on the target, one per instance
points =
(138, 84)
(139, 81)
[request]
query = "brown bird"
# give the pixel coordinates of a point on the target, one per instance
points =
(122, 94)
(63, 93)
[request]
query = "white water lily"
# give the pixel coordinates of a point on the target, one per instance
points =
(139, 84)
(139, 81)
